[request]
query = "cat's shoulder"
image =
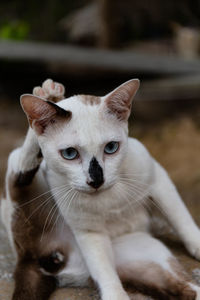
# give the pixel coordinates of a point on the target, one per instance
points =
(138, 157)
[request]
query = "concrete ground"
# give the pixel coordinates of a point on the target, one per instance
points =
(175, 142)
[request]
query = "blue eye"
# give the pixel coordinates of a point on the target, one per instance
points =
(69, 153)
(111, 147)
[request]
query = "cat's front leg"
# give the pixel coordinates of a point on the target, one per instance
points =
(97, 252)
(170, 203)
(30, 156)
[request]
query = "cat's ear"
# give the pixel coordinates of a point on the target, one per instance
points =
(42, 113)
(119, 101)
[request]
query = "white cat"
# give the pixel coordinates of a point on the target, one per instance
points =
(80, 213)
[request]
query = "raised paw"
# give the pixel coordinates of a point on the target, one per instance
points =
(50, 90)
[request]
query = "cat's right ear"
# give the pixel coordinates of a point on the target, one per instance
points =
(41, 113)
(119, 101)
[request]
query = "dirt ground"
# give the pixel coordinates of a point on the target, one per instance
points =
(174, 142)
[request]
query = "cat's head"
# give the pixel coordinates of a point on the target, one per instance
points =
(83, 138)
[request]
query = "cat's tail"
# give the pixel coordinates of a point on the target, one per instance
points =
(31, 283)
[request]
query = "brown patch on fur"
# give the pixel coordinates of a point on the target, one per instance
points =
(40, 155)
(178, 269)
(37, 241)
(30, 283)
(20, 193)
(90, 100)
(55, 99)
(151, 279)
(53, 262)
(25, 178)
(31, 220)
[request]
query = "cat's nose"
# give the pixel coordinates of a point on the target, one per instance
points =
(95, 184)
(96, 174)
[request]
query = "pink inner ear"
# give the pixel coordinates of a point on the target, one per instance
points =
(41, 112)
(36, 108)
(119, 101)
(38, 111)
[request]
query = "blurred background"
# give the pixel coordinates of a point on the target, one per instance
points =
(92, 46)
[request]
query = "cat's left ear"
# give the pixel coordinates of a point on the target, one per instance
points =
(119, 101)
(42, 113)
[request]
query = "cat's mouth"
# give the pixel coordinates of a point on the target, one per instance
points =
(89, 191)
(93, 191)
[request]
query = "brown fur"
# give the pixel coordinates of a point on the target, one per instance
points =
(26, 228)
(25, 178)
(90, 100)
(178, 269)
(30, 283)
(34, 252)
(151, 279)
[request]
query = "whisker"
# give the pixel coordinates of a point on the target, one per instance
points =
(43, 204)
(70, 201)
(135, 189)
(134, 181)
(126, 199)
(130, 175)
(44, 227)
(55, 206)
(141, 193)
(159, 209)
(140, 199)
(138, 195)
(55, 194)
(62, 207)
(59, 207)
(49, 191)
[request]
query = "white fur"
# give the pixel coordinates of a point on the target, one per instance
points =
(175, 210)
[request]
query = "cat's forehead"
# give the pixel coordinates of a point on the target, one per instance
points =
(90, 123)
(90, 113)
(86, 110)
(80, 101)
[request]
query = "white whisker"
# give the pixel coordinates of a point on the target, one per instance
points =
(43, 204)
(55, 206)
(49, 191)
(60, 204)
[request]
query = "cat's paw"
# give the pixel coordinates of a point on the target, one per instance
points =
(50, 90)
(194, 250)
(193, 245)
(117, 295)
